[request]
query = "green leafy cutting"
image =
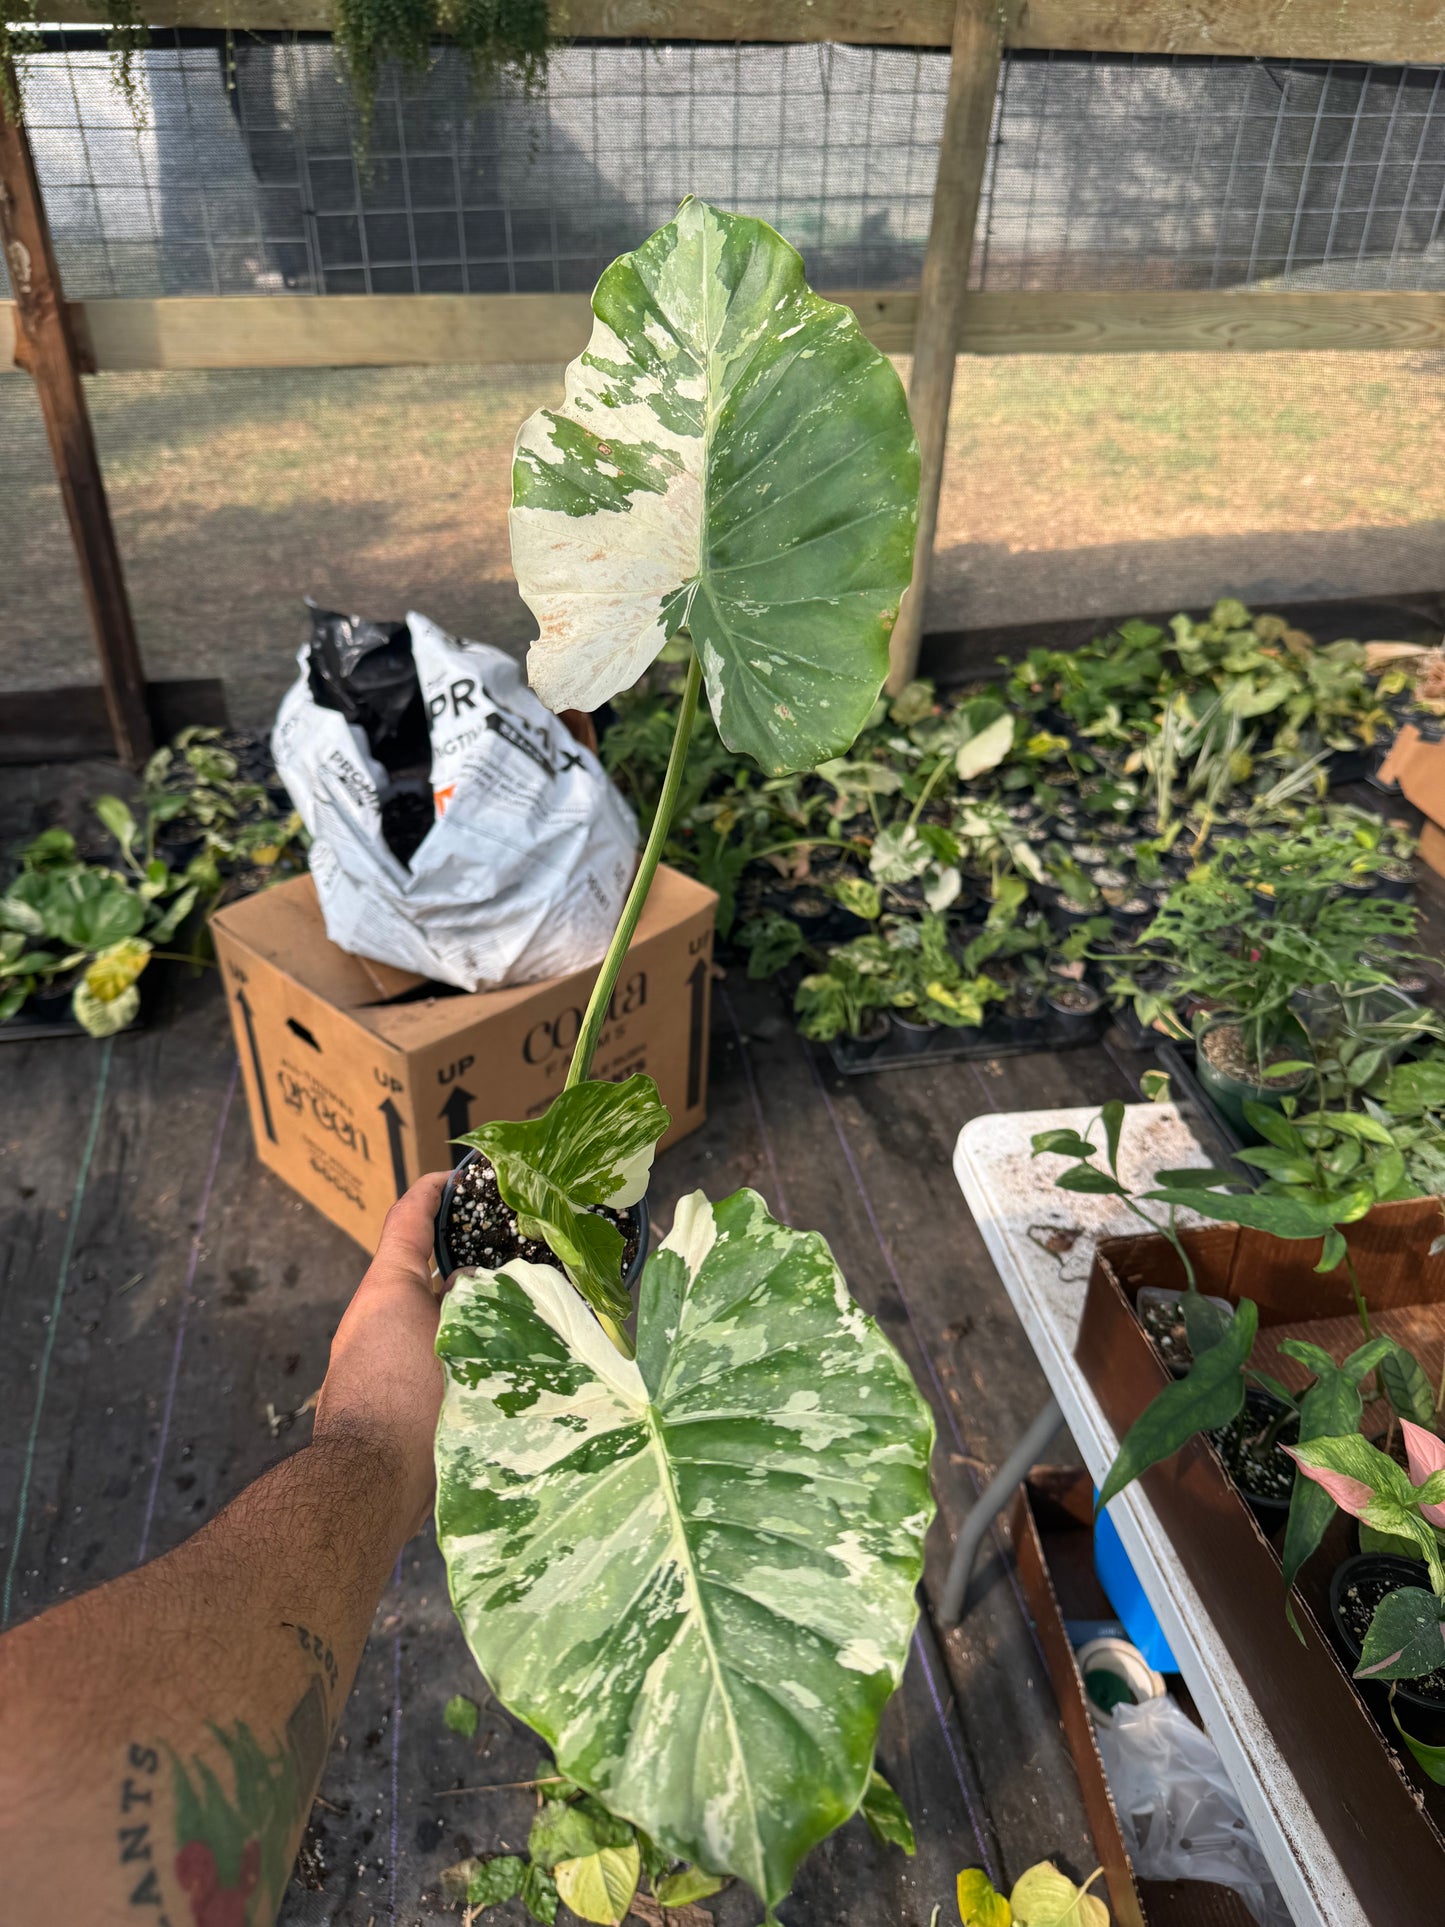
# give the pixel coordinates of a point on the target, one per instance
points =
(593, 1146)
(1207, 1398)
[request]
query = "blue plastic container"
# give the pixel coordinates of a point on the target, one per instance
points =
(1127, 1596)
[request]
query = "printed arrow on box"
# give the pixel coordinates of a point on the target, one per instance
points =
(244, 1002)
(696, 1043)
(457, 1115)
(395, 1124)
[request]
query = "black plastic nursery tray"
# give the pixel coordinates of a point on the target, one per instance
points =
(901, 1045)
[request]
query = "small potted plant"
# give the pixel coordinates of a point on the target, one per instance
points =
(1388, 1611)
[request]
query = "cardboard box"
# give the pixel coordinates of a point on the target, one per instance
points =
(358, 1076)
(1419, 768)
(1359, 1788)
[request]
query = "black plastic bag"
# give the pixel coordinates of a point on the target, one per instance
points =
(366, 671)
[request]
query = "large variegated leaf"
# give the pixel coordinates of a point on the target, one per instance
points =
(694, 1573)
(732, 457)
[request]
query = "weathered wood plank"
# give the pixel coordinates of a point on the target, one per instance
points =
(380, 330)
(1383, 30)
(383, 330)
(978, 36)
(1209, 321)
(55, 725)
(45, 344)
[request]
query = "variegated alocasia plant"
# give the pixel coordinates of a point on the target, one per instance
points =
(689, 1560)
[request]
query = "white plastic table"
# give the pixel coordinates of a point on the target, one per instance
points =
(1015, 1204)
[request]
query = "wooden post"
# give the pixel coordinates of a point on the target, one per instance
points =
(979, 28)
(45, 347)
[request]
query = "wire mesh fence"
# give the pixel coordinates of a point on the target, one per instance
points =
(1074, 485)
(1105, 171)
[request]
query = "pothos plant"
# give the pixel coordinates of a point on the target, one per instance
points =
(687, 1557)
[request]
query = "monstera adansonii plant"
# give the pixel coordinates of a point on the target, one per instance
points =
(690, 1561)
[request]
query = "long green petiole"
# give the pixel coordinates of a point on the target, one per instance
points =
(601, 998)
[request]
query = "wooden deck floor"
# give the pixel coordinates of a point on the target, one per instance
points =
(166, 1304)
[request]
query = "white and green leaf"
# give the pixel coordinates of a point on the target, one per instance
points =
(593, 1146)
(692, 1573)
(734, 458)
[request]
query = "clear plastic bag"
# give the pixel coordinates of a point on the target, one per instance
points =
(1181, 1817)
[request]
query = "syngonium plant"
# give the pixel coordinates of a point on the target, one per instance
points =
(689, 1559)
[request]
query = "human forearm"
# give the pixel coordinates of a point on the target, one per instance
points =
(161, 1738)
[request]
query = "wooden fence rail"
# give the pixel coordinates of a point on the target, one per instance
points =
(409, 330)
(1411, 31)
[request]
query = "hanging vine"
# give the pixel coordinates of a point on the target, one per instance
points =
(126, 36)
(495, 36)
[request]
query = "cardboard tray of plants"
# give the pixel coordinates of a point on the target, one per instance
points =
(1053, 1540)
(1384, 1819)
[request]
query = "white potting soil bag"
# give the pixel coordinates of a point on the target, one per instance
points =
(525, 869)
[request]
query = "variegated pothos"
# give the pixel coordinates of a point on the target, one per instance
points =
(694, 1573)
(733, 457)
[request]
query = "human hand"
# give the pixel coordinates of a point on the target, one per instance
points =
(384, 1383)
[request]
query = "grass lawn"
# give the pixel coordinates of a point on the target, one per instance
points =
(1075, 484)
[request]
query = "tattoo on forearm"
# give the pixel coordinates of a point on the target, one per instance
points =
(137, 1847)
(233, 1848)
(314, 1644)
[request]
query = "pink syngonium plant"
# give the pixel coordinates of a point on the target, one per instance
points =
(1368, 1484)
(1426, 1454)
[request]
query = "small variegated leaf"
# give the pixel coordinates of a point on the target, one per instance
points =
(116, 968)
(1044, 1897)
(592, 1146)
(688, 1884)
(692, 1573)
(887, 1816)
(980, 1904)
(732, 457)
(1406, 1636)
(987, 749)
(104, 1018)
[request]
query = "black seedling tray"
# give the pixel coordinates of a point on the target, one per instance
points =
(897, 1049)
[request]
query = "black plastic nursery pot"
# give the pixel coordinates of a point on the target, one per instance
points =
(633, 1219)
(1161, 1316)
(1245, 1462)
(905, 1041)
(1356, 1586)
(1075, 1012)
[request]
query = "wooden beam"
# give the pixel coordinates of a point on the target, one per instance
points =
(1236, 321)
(68, 724)
(1378, 30)
(978, 32)
(379, 330)
(412, 330)
(1406, 31)
(45, 347)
